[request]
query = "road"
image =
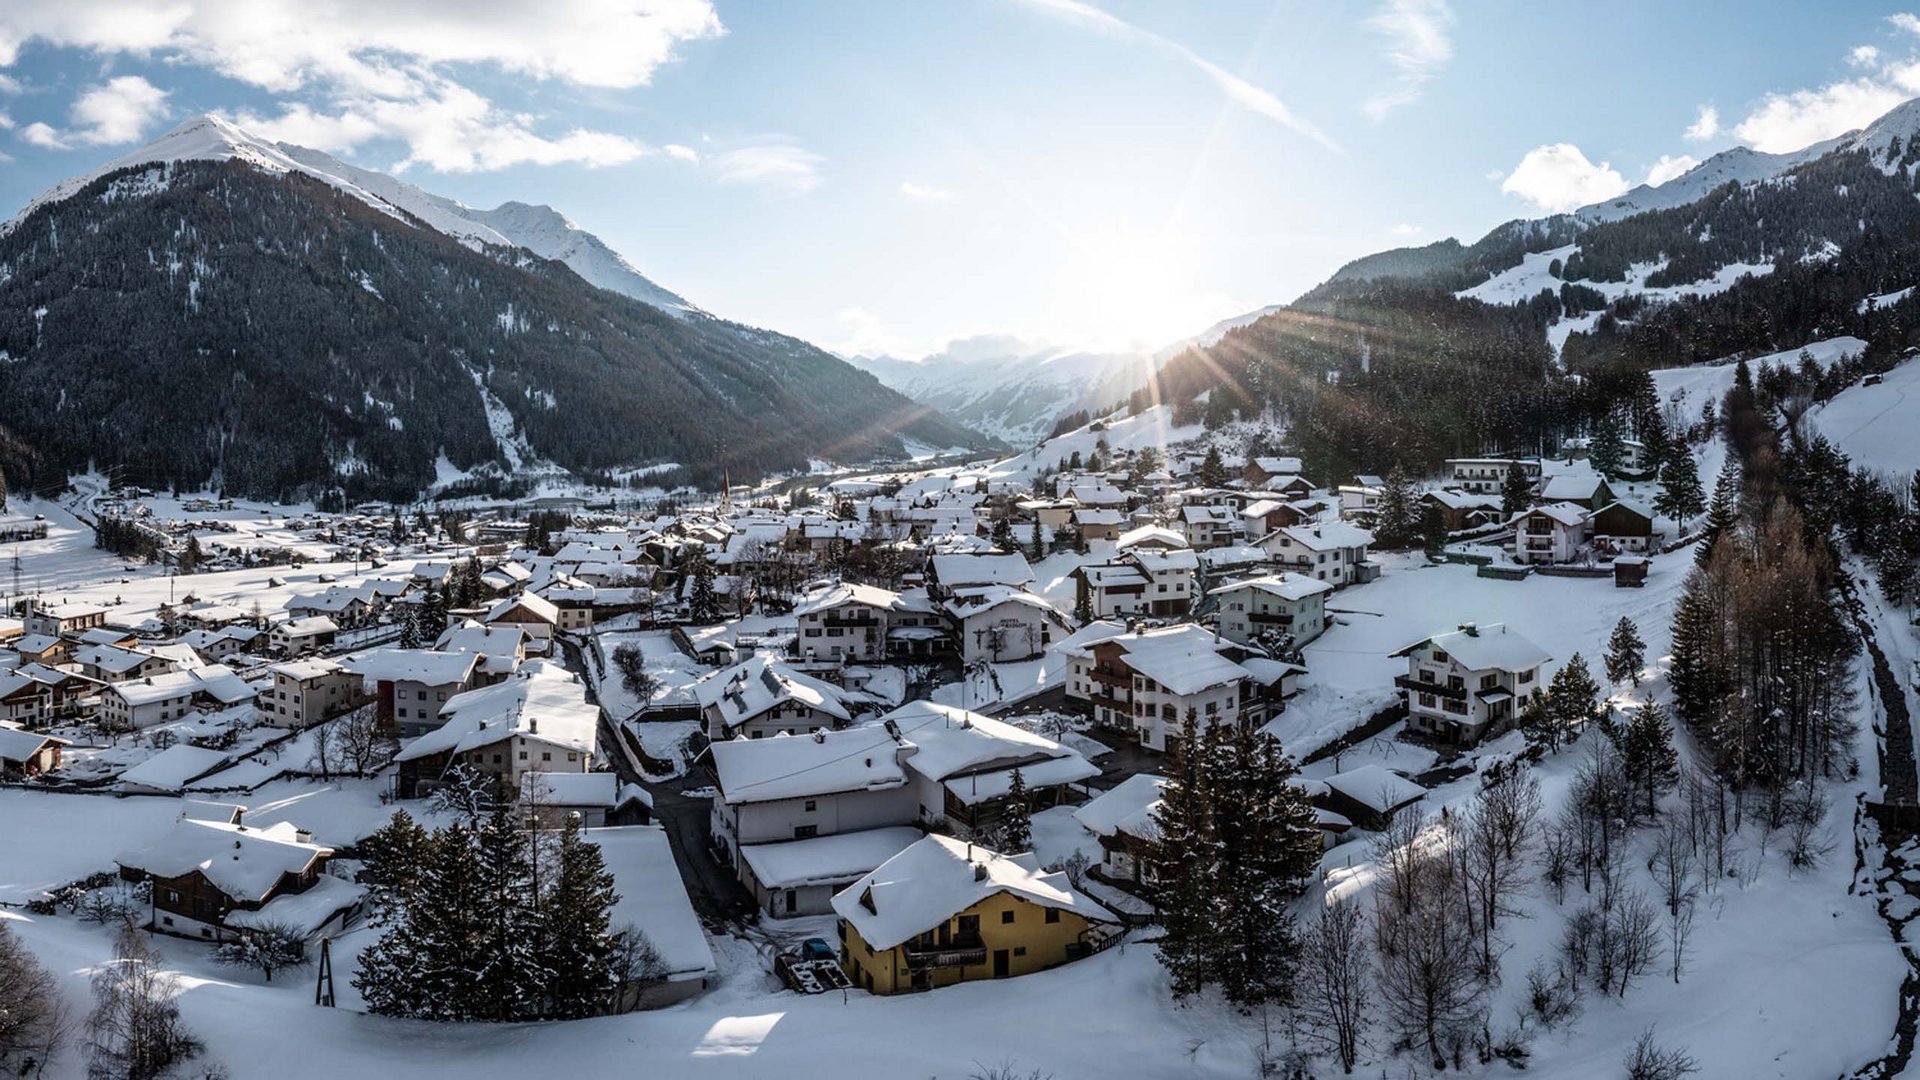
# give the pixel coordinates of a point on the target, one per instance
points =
(717, 895)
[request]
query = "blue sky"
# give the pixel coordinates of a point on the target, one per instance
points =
(882, 175)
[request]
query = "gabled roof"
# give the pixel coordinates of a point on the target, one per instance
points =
(1328, 535)
(543, 701)
(537, 606)
(412, 665)
(19, 745)
(1485, 648)
(997, 569)
(1127, 808)
(245, 862)
(848, 593)
(1286, 586)
(1150, 535)
(864, 758)
(939, 877)
(1561, 513)
(758, 684)
(951, 741)
(1376, 788)
(1572, 487)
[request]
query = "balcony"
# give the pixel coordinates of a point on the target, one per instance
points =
(849, 620)
(961, 953)
(1121, 679)
(1269, 618)
(1418, 687)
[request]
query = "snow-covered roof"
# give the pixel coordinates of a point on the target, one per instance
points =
(303, 670)
(938, 877)
(173, 768)
(1185, 672)
(1485, 648)
(412, 665)
(1327, 535)
(1159, 562)
(951, 741)
(654, 899)
(978, 600)
(848, 593)
(542, 701)
(163, 687)
(1150, 536)
(243, 861)
(303, 912)
(998, 569)
(19, 745)
(826, 860)
(1572, 487)
(1561, 513)
(471, 637)
(757, 684)
(1376, 788)
(1126, 808)
(565, 789)
(864, 758)
(539, 608)
(1287, 586)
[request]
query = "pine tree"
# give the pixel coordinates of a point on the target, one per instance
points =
(1692, 673)
(395, 861)
(1681, 497)
(1213, 471)
(1179, 865)
(1626, 653)
(577, 946)
(1536, 724)
(1608, 446)
(1570, 700)
(1516, 491)
(1723, 513)
(433, 614)
(1002, 535)
(409, 631)
(1396, 523)
(1082, 603)
(1037, 548)
(508, 967)
(1016, 826)
(703, 605)
(1074, 463)
(1269, 848)
(422, 966)
(1647, 754)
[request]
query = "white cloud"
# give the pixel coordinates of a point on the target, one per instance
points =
(1706, 125)
(1419, 44)
(1238, 90)
(1785, 122)
(117, 111)
(6, 122)
(372, 69)
(1905, 21)
(39, 134)
(682, 153)
(1560, 178)
(9, 84)
(865, 335)
(780, 166)
(1669, 167)
(1863, 56)
(924, 192)
(1404, 229)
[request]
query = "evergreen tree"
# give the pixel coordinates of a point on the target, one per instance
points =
(1626, 653)
(1570, 701)
(1608, 446)
(433, 614)
(1723, 513)
(1693, 674)
(1082, 604)
(1180, 863)
(1213, 471)
(507, 964)
(1002, 535)
(578, 947)
(191, 556)
(409, 630)
(1269, 849)
(1535, 721)
(1516, 491)
(1037, 548)
(1397, 522)
(1681, 497)
(1074, 463)
(395, 861)
(422, 966)
(1647, 754)
(1016, 826)
(703, 605)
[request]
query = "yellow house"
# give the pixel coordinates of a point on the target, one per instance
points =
(944, 911)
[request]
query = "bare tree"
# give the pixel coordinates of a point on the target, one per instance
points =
(1428, 980)
(268, 947)
(321, 760)
(363, 743)
(635, 963)
(1335, 986)
(465, 791)
(1493, 839)
(135, 1029)
(1650, 1061)
(34, 1017)
(1804, 810)
(1676, 873)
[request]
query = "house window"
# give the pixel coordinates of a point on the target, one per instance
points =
(1439, 657)
(803, 832)
(546, 755)
(810, 806)
(1019, 950)
(1006, 916)
(1053, 914)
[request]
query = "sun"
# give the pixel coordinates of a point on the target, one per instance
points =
(1133, 288)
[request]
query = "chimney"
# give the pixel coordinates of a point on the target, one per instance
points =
(819, 736)
(1470, 629)
(980, 871)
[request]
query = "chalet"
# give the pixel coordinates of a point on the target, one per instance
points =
(1463, 511)
(944, 911)
(595, 799)
(1170, 685)
(1488, 476)
(65, 695)
(997, 623)
(1121, 819)
(1209, 526)
(214, 881)
(501, 649)
(1461, 685)
(24, 700)
(345, 607)
(1587, 490)
(948, 572)
(410, 688)
(298, 637)
(796, 787)
(306, 692)
(60, 620)
(573, 603)
(961, 765)
(1333, 551)
(142, 703)
(1097, 669)
(1151, 537)
(1146, 579)
(1099, 523)
(1551, 533)
(1361, 501)
(1294, 605)
(799, 877)
(171, 770)
(537, 721)
(26, 754)
(43, 649)
(1110, 590)
(214, 646)
(109, 664)
(759, 697)
(536, 616)
(1624, 527)
(1260, 473)
(847, 622)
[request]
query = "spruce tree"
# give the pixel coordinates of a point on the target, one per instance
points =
(1536, 724)
(1213, 471)
(1647, 754)
(1016, 824)
(1516, 491)
(1397, 522)
(1179, 863)
(1681, 497)
(1082, 604)
(433, 613)
(1037, 548)
(1002, 535)
(508, 968)
(409, 631)
(703, 605)
(1269, 847)
(422, 966)
(1626, 653)
(1723, 513)
(1607, 448)
(1570, 700)
(395, 861)
(577, 946)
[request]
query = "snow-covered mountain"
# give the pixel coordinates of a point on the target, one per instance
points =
(1009, 388)
(539, 229)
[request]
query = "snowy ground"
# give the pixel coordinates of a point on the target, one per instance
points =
(1875, 425)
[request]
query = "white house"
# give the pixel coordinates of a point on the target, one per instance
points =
(1461, 685)
(1331, 551)
(142, 703)
(305, 692)
(997, 623)
(847, 622)
(539, 720)
(1553, 533)
(759, 697)
(1289, 603)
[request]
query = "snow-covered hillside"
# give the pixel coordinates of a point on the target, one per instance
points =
(1878, 426)
(1008, 388)
(539, 229)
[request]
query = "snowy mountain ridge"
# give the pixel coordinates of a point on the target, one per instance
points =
(541, 230)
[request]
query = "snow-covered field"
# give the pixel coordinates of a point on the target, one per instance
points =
(1876, 425)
